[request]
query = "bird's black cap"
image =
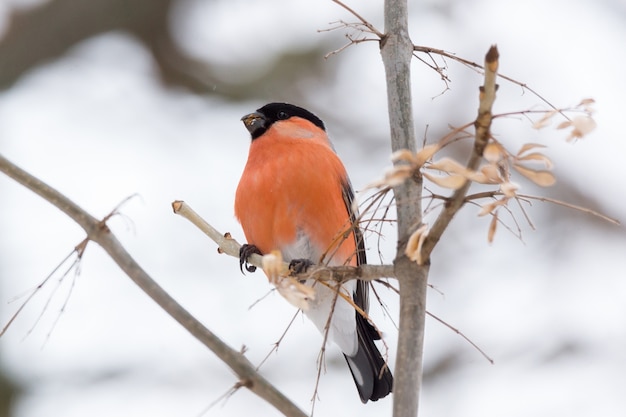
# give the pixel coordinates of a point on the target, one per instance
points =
(258, 122)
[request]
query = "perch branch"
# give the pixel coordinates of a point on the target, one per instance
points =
(99, 232)
(229, 246)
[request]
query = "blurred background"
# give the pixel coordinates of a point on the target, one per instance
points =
(109, 98)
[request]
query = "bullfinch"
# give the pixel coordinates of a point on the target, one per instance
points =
(295, 196)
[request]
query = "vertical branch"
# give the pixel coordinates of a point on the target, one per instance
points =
(482, 124)
(396, 50)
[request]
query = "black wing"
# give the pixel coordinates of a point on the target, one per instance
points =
(372, 377)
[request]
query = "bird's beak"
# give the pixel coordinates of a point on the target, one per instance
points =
(253, 121)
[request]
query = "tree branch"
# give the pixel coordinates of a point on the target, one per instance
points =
(428, 50)
(364, 22)
(229, 246)
(99, 232)
(482, 135)
(397, 52)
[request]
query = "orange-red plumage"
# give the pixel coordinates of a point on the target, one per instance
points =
(294, 195)
(293, 180)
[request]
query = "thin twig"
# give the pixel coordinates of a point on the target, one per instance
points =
(34, 292)
(428, 50)
(76, 267)
(365, 23)
(321, 359)
(280, 339)
(571, 206)
(493, 194)
(467, 339)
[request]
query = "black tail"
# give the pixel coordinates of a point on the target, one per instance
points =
(371, 374)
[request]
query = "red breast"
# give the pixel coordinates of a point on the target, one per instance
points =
(293, 183)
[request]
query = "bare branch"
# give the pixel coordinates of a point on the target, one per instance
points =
(482, 135)
(365, 23)
(34, 291)
(98, 232)
(571, 206)
(351, 41)
(429, 51)
(397, 53)
(279, 341)
(229, 246)
(467, 339)
(493, 194)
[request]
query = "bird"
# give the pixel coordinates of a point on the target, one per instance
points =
(295, 196)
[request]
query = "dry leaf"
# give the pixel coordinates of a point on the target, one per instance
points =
(492, 227)
(509, 189)
(586, 105)
(528, 146)
(272, 264)
(425, 154)
(479, 178)
(414, 246)
(451, 181)
(493, 152)
(395, 176)
(403, 155)
(296, 293)
(491, 206)
(539, 177)
(564, 124)
(536, 156)
(586, 101)
(449, 165)
(583, 125)
(543, 122)
(488, 174)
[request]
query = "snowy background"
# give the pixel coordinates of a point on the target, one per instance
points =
(99, 125)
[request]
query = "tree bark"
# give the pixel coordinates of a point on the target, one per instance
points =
(397, 52)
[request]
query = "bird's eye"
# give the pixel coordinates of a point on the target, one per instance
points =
(282, 115)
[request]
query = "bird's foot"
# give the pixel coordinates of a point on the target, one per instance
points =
(298, 266)
(244, 252)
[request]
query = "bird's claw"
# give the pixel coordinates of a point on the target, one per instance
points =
(244, 253)
(298, 266)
